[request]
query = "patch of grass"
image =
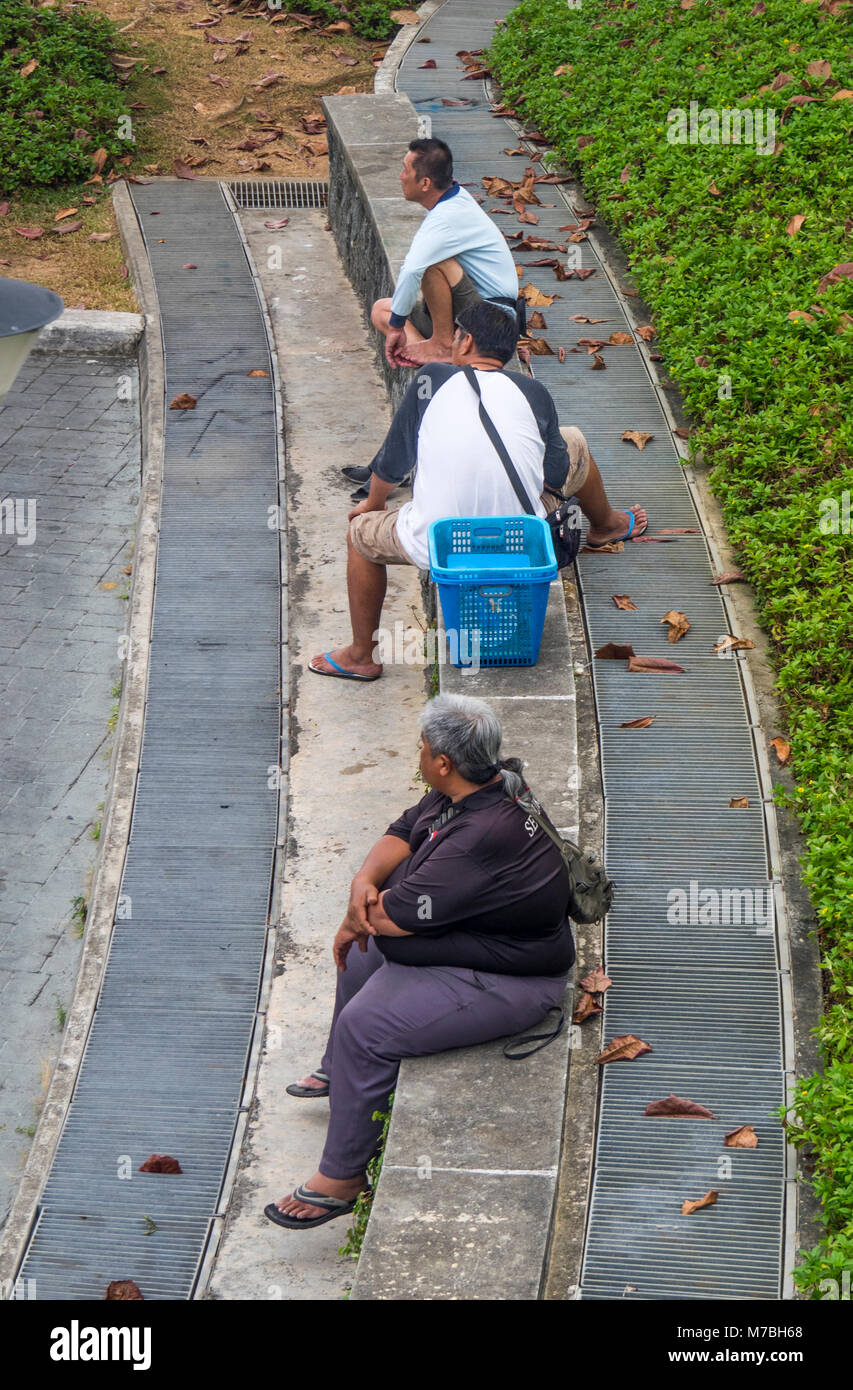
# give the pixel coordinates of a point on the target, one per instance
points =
(79, 913)
(61, 1013)
(759, 338)
(29, 1130)
(361, 1211)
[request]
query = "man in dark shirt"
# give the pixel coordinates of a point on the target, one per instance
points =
(459, 914)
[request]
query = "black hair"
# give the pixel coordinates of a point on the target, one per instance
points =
(494, 330)
(433, 160)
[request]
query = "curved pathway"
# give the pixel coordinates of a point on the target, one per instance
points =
(166, 1056)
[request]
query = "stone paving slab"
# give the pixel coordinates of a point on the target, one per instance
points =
(69, 444)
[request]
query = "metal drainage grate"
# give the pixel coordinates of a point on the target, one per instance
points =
(280, 193)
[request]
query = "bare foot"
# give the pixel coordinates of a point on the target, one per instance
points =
(617, 528)
(415, 354)
(343, 657)
(345, 1188)
(312, 1083)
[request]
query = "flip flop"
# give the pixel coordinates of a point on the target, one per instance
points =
(307, 1092)
(335, 1206)
(339, 672)
(627, 536)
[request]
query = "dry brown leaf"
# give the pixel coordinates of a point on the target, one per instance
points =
(596, 982)
(598, 362)
(615, 651)
(64, 212)
(99, 236)
(744, 1137)
(678, 625)
(611, 548)
(182, 169)
(405, 17)
(67, 227)
(183, 402)
(29, 68)
(624, 1049)
(729, 577)
(801, 314)
(534, 296)
(625, 602)
(563, 68)
(29, 233)
(538, 346)
(637, 437)
(585, 1008)
(257, 372)
(643, 723)
(710, 1198)
(652, 664)
(646, 333)
(537, 320)
(782, 748)
(277, 225)
(619, 338)
(739, 803)
(733, 644)
(160, 1163)
(795, 224)
(123, 1291)
(675, 1105)
(561, 354)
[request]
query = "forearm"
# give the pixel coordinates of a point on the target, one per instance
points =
(383, 859)
(381, 923)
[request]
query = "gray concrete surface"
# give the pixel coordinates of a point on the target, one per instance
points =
(103, 332)
(69, 450)
(352, 755)
(479, 1229)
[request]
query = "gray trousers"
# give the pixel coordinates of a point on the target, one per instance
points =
(384, 1012)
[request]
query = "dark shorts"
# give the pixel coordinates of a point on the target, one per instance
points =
(464, 294)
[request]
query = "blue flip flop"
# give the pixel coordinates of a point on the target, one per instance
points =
(627, 536)
(339, 672)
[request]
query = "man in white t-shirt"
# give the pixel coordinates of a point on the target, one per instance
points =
(438, 433)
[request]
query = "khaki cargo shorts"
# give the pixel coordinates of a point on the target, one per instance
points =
(579, 464)
(463, 294)
(374, 535)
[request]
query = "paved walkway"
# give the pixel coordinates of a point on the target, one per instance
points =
(668, 789)
(69, 453)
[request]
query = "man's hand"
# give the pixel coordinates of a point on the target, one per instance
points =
(365, 506)
(395, 340)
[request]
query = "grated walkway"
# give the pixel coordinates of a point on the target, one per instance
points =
(166, 1056)
(708, 997)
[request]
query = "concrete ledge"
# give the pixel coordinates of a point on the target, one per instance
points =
(465, 1201)
(92, 331)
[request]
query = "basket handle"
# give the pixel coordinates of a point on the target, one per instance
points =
(489, 591)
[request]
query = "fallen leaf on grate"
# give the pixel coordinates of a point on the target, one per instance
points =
(615, 651)
(678, 625)
(160, 1163)
(123, 1290)
(739, 803)
(585, 1008)
(624, 601)
(183, 402)
(733, 644)
(675, 1105)
(624, 1049)
(710, 1198)
(637, 437)
(644, 723)
(744, 1137)
(653, 663)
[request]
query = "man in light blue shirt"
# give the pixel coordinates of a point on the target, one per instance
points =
(457, 257)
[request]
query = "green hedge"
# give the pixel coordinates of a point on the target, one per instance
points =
(54, 117)
(705, 228)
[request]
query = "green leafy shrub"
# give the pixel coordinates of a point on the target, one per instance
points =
(370, 19)
(739, 294)
(55, 115)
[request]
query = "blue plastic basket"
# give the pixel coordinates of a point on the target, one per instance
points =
(493, 575)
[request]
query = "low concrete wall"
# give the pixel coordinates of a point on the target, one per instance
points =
(92, 331)
(464, 1205)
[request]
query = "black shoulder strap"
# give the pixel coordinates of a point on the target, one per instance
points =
(511, 1049)
(489, 427)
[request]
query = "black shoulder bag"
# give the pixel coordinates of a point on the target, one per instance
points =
(563, 521)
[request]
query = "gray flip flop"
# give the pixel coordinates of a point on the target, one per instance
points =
(307, 1092)
(335, 1206)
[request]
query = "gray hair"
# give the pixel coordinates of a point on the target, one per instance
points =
(469, 733)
